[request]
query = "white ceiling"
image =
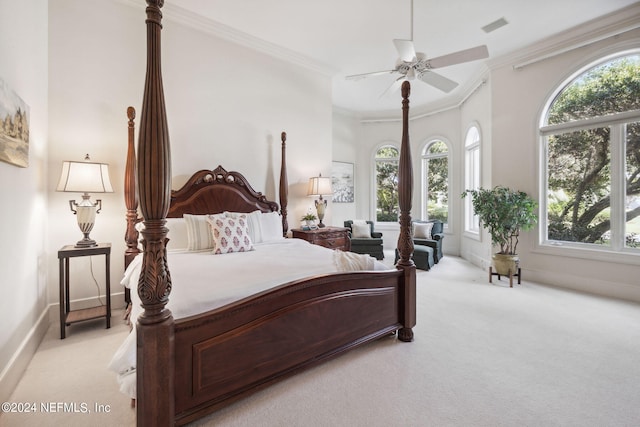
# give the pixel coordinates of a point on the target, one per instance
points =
(355, 36)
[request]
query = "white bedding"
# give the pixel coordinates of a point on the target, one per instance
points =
(202, 281)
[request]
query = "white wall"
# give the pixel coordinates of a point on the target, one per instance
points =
(226, 105)
(476, 111)
(518, 98)
(345, 149)
(23, 249)
(444, 126)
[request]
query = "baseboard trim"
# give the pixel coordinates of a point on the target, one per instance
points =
(608, 289)
(476, 260)
(11, 375)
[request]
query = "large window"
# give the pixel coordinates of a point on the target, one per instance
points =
(435, 181)
(591, 149)
(387, 163)
(471, 177)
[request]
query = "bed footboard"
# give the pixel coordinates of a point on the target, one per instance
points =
(230, 352)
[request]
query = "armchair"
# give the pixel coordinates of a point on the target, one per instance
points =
(432, 238)
(364, 240)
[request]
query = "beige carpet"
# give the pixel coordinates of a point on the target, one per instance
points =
(483, 355)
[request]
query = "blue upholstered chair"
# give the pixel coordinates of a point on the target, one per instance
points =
(422, 257)
(367, 242)
(432, 238)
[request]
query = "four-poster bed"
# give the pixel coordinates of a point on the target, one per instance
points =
(188, 367)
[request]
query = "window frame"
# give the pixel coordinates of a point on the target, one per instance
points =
(374, 177)
(424, 161)
(472, 179)
(616, 252)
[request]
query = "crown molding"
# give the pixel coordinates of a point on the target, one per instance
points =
(222, 31)
(601, 28)
(469, 89)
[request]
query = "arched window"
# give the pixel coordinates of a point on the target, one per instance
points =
(591, 159)
(386, 162)
(471, 177)
(435, 181)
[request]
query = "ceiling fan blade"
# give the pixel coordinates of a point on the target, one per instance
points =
(362, 76)
(405, 49)
(472, 54)
(438, 81)
(394, 86)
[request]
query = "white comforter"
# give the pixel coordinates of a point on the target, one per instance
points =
(202, 281)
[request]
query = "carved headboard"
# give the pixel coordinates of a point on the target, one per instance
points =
(216, 191)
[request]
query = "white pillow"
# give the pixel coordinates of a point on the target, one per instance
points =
(178, 236)
(422, 230)
(263, 227)
(230, 234)
(271, 227)
(360, 231)
(199, 232)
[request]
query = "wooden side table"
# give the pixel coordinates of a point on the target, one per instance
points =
(329, 237)
(68, 316)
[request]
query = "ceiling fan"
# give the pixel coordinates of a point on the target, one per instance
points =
(412, 64)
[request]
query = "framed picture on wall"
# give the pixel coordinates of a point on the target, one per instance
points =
(14, 127)
(342, 182)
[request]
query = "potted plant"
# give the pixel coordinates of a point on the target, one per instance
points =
(504, 213)
(309, 218)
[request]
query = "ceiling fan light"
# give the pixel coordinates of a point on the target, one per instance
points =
(411, 74)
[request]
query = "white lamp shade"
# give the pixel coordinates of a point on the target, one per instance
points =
(319, 186)
(84, 177)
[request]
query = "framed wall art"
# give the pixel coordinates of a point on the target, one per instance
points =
(14, 127)
(342, 182)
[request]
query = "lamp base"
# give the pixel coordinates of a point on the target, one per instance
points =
(86, 243)
(321, 205)
(86, 215)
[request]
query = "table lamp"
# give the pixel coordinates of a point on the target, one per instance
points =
(85, 177)
(319, 186)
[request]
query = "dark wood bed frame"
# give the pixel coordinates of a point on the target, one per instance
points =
(190, 367)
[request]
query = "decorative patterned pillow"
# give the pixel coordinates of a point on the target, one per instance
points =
(360, 231)
(422, 230)
(230, 234)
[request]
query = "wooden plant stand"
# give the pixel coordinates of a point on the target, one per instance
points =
(511, 276)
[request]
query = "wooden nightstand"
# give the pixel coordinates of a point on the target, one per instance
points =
(329, 237)
(68, 316)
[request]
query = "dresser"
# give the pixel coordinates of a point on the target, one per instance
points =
(329, 237)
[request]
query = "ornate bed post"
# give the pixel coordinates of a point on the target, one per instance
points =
(284, 185)
(155, 328)
(131, 194)
(405, 240)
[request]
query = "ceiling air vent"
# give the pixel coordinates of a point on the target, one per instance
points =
(494, 25)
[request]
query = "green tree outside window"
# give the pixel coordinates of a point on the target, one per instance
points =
(580, 161)
(387, 184)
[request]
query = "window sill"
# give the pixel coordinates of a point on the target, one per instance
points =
(626, 256)
(471, 235)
